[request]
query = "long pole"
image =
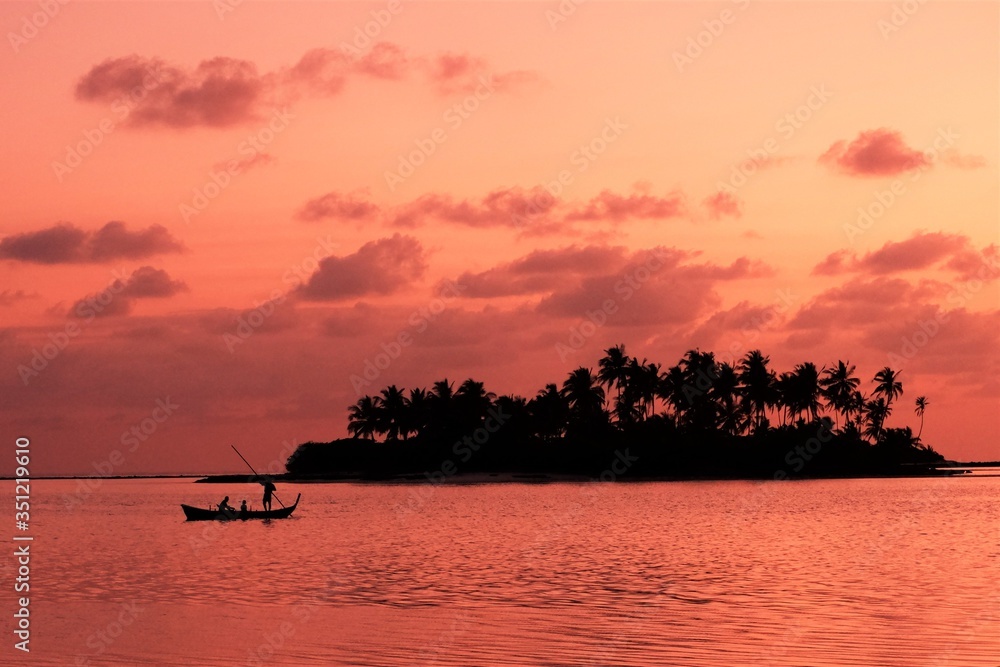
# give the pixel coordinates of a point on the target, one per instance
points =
(255, 473)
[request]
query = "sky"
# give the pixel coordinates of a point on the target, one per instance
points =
(224, 221)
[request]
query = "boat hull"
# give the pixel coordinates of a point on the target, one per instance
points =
(202, 514)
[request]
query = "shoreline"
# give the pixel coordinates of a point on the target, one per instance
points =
(470, 479)
(958, 469)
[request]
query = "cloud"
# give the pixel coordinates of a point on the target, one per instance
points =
(971, 264)
(923, 250)
(219, 92)
(118, 298)
(378, 267)
(732, 331)
(258, 159)
(611, 206)
(918, 252)
(270, 316)
(10, 297)
(723, 204)
(503, 207)
(223, 92)
(857, 303)
(836, 262)
(879, 152)
(956, 159)
(462, 73)
(64, 244)
(655, 286)
(149, 283)
(531, 211)
(339, 206)
(541, 271)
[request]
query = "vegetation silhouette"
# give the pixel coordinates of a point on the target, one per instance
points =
(700, 418)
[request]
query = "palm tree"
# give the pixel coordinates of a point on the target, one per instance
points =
(550, 411)
(889, 387)
(921, 405)
(391, 407)
(641, 381)
(756, 388)
(472, 395)
(418, 412)
(724, 392)
(613, 371)
(669, 388)
(695, 406)
(362, 418)
(585, 396)
(874, 414)
(838, 385)
(802, 390)
(441, 406)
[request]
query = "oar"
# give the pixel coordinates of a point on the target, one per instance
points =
(255, 473)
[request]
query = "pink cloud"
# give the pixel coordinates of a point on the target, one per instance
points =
(217, 93)
(10, 297)
(503, 207)
(340, 206)
(541, 271)
(723, 204)
(921, 251)
(145, 283)
(834, 263)
(956, 159)
(645, 287)
(531, 211)
(609, 205)
(378, 267)
(222, 91)
(258, 159)
(856, 303)
(880, 152)
(65, 243)
(917, 252)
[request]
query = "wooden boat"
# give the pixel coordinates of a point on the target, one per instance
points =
(202, 514)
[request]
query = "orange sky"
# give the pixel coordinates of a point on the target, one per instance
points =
(641, 119)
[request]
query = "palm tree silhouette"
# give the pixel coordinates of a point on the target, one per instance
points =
(921, 405)
(670, 389)
(362, 418)
(472, 403)
(708, 405)
(641, 380)
(802, 390)
(586, 399)
(838, 386)
(875, 412)
(613, 369)
(889, 387)
(756, 388)
(549, 411)
(418, 413)
(695, 405)
(391, 405)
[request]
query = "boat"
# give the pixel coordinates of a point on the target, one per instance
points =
(202, 514)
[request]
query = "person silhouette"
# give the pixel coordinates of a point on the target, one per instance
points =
(224, 506)
(268, 490)
(243, 510)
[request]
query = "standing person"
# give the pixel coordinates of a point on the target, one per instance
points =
(268, 490)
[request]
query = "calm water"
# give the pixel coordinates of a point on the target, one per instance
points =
(845, 572)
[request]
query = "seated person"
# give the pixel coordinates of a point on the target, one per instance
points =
(224, 506)
(243, 509)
